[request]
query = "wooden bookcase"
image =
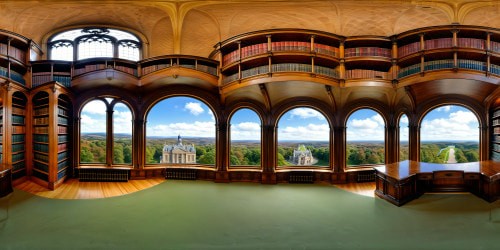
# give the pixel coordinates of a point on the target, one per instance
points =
(495, 140)
(52, 115)
(18, 137)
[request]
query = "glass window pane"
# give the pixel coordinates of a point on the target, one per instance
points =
(365, 138)
(245, 138)
(404, 148)
(122, 134)
(449, 134)
(180, 130)
(303, 138)
(93, 133)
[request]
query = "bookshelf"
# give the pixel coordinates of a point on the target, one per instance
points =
(41, 136)
(1, 132)
(64, 116)
(495, 140)
(277, 51)
(368, 58)
(18, 137)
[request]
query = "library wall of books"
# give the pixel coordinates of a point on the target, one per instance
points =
(269, 71)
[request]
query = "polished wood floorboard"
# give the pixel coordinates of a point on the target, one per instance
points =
(73, 189)
(361, 188)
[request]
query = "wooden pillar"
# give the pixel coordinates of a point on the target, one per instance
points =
(109, 135)
(222, 149)
(342, 60)
(414, 141)
(391, 143)
(269, 149)
(138, 138)
(53, 134)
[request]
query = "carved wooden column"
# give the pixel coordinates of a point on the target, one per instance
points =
(484, 140)
(138, 143)
(222, 149)
(391, 143)
(109, 135)
(339, 155)
(269, 154)
(413, 141)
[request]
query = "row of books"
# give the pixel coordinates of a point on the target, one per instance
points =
(62, 155)
(496, 130)
(62, 147)
(255, 71)
(368, 51)
(61, 165)
(471, 43)
(14, 52)
(128, 70)
(45, 130)
(495, 69)
(410, 70)
(18, 119)
(18, 138)
(17, 147)
(40, 166)
(284, 67)
(149, 69)
(41, 111)
(40, 138)
(496, 138)
(62, 120)
(41, 157)
(18, 157)
(365, 73)
(61, 174)
(471, 64)
(62, 111)
(62, 138)
(41, 120)
(439, 64)
(18, 111)
(18, 165)
(497, 114)
(495, 46)
(263, 48)
(408, 49)
(208, 69)
(439, 43)
(320, 70)
(89, 68)
(18, 129)
(496, 147)
(41, 147)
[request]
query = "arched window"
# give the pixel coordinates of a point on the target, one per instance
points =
(93, 132)
(449, 134)
(404, 147)
(78, 44)
(245, 138)
(180, 130)
(365, 141)
(96, 132)
(303, 139)
(122, 134)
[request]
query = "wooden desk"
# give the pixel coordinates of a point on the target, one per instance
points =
(404, 181)
(5, 183)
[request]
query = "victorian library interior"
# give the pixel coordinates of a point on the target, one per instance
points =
(236, 124)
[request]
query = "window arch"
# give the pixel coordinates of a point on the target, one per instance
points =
(303, 138)
(83, 43)
(404, 136)
(365, 138)
(103, 143)
(449, 134)
(245, 134)
(180, 130)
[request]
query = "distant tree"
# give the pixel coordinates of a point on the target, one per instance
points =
(118, 153)
(127, 154)
(459, 156)
(281, 160)
(86, 155)
(472, 155)
(207, 158)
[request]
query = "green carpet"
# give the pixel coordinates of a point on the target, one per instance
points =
(206, 215)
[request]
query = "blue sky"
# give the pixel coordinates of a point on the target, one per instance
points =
(190, 117)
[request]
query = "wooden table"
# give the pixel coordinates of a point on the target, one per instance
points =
(5, 183)
(404, 181)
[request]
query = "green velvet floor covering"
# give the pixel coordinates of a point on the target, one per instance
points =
(206, 215)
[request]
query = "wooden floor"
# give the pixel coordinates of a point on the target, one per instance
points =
(73, 189)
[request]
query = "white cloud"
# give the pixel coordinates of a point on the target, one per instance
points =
(194, 108)
(198, 129)
(403, 120)
(311, 132)
(372, 128)
(305, 113)
(245, 131)
(95, 107)
(444, 108)
(460, 125)
(122, 121)
(92, 125)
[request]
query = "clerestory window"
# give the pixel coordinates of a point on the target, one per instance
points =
(79, 44)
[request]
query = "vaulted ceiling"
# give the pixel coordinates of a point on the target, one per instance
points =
(193, 27)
